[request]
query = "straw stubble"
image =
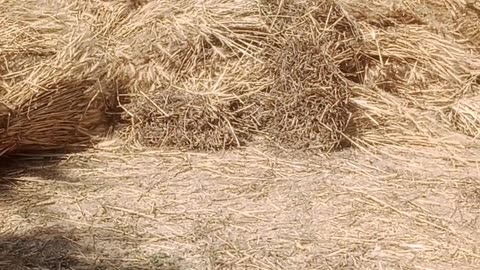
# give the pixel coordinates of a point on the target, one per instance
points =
(217, 74)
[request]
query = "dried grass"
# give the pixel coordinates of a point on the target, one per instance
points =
(29, 35)
(300, 93)
(192, 81)
(56, 84)
(465, 115)
(418, 67)
(221, 74)
(426, 68)
(468, 23)
(381, 118)
(216, 74)
(208, 113)
(53, 109)
(311, 62)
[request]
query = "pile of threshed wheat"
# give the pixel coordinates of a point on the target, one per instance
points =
(216, 74)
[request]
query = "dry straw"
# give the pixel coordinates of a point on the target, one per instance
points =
(465, 115)
(193, 80)
(382, 118)
(416, 71)
(426, 68)
(216, 74)
(57, 105)
(56, 86)
(28, 36)
(293, 77)
(468, 23)
(312, 61)
(221, 72)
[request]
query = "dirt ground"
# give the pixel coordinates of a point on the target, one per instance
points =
(248, 209)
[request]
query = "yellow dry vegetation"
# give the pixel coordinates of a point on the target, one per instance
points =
(217, 74)
(351, 127)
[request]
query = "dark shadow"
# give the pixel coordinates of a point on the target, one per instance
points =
(54, 248)
(41, 249)
(45, 165)
(61, 247)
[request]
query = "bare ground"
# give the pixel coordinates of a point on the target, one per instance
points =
(249, 209)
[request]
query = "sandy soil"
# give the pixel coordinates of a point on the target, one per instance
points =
(249, 209)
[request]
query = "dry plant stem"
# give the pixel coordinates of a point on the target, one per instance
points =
(213, 75)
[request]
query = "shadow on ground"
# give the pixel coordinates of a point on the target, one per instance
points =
(46, 248)
(32, 243)
(59, 249)
(44, 165)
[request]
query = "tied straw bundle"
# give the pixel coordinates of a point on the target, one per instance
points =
(216, 74)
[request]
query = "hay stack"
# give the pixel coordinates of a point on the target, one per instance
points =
(468, 22)
(213, 74)
(422, 58)
(209, 113)
(312, 60)
(465, 116)
(192, 80)
(428, 69)
(30, 33)
(382, 118)
(55, 83)
(440, 16)
(220, 72)
(58, 105)
(418, 65)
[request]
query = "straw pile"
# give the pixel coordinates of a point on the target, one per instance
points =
(469, 24)
(220, 74)
(427, 69)
(419, 65)
(308, 104)
(465, 116)
(310, 75)
(193, 80)
(55, 86)
(55, 109)
(215, 74)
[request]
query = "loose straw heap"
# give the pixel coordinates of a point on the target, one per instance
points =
(216, 74)
(55, 86)
(465, 116)
(220, 74)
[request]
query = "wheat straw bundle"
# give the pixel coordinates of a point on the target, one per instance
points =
(212, 74)
(468, 23)
(428, 69)
(416, 50)
(465, 115)
(438, 15)
(311, 61)
(382, 118)
(58, 103)
(419, 64)
(192, 79)
(56, 84)
(207, 113)
(218, 72)
(30, 33)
